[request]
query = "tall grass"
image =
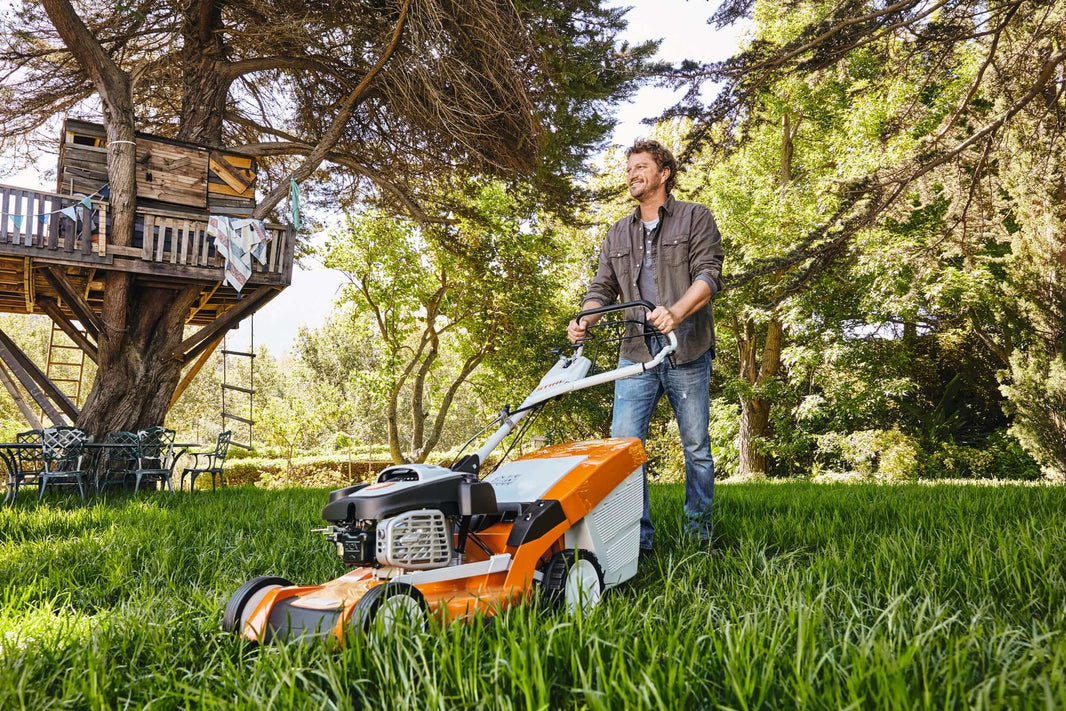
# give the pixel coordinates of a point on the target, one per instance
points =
(815, 596)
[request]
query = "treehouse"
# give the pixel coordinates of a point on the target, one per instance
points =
(55, 250)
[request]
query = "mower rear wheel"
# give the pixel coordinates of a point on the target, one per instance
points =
(242, 604)
(573, 580)
(390, 606)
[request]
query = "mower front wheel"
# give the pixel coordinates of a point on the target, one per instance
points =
(390, 606)
(242, 604)
(574, 580)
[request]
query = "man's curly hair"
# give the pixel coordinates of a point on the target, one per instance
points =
(663, 158)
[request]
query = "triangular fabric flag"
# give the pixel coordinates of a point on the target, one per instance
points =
(43, 219)
(294, 194)
(70, 212)
(17, 219)
(87, 202)
(105, 192)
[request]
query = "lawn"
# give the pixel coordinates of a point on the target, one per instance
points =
(816, 596)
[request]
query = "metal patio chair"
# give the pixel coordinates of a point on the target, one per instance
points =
(157, 458)
(212, 463)
(121, 459)
(64, 458)
(30, 461)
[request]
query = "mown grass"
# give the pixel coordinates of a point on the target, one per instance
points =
(817, 596)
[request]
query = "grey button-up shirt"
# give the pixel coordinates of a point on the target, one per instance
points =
(687, 247)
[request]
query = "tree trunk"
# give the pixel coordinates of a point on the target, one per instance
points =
(136, 378)
(754, 420)
(204, 86)
(755, 409)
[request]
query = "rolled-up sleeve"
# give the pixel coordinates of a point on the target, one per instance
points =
(604, 286)
(705, 250)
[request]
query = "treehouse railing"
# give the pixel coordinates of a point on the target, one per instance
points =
(33, 223)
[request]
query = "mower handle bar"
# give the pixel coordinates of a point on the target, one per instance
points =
(671, 339)
(614, 307)
(537, 398)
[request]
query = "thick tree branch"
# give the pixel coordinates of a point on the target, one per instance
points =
(336, 128)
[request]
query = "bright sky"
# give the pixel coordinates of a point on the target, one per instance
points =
(682, 27)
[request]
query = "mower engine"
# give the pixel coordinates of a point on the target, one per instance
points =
(406, 519)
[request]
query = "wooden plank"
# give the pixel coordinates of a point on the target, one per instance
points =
(186, 228)
(204, 244)
(24, 407)
(101, 247)
(195, 369)
(35, 382)
(157, 180)
(53, 223)
(195, 344)
(149, 237)
(20, 197)
(5, 197)
(238, 180)
(276, 246)
(217, 189)
(86, 236)
(161, 240)
(288, 256)
(86, 128)
(57, 279)
(74, 259)
(27, 284)
(51, 307)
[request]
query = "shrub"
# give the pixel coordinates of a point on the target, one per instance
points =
(1037, 397)
(888, 455)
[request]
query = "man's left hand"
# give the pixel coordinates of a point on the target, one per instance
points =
(663, 319)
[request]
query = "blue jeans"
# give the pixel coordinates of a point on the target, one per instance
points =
(688, 390)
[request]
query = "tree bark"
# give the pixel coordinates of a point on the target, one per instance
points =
(204, 87)
(134, 384)
(755, 410)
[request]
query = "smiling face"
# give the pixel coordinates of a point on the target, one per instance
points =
(646, 179)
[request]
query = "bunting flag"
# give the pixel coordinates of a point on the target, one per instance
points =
(17, 219)
(294, 196)
(70, 212)
(43, 219)
(105, 192)
(238, 241)
(87, 201)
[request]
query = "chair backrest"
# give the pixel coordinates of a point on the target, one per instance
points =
(126, 448)
(31, 456)
(155, 443)
(62, 443)
(222, 448)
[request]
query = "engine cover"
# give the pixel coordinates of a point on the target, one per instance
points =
(415, 540)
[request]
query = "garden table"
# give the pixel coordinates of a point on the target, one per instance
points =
(9, 454)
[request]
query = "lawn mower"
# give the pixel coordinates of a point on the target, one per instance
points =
(562, 522)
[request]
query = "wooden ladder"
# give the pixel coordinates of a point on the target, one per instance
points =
(67, 374)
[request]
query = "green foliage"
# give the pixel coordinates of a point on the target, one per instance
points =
(830, 596)
(1037, 394)
(441, 299)
(887, 455)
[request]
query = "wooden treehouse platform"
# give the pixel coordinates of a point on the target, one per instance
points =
(56, 248)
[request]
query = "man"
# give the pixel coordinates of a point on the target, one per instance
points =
(669, 253)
